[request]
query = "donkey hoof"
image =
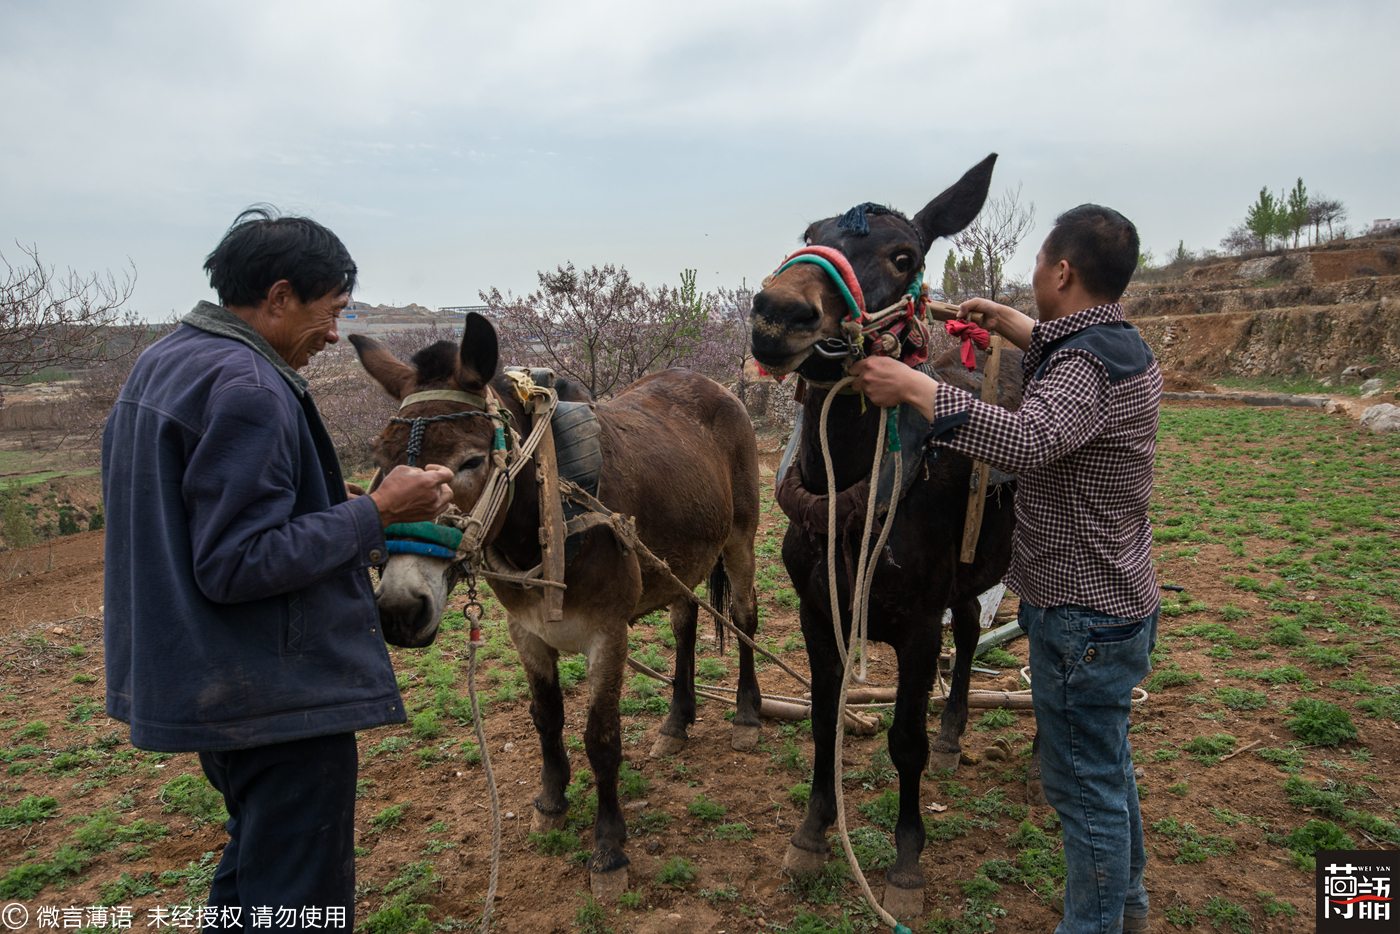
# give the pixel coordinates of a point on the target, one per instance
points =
(800, 863)
(543, 823)
(904, 904)
(607, 886)
(743, 738)
(1035, 793)
(667, 746)
(939, 760)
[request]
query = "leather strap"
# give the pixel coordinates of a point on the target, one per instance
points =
(442, 395)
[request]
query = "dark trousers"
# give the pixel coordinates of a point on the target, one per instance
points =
(291, 851)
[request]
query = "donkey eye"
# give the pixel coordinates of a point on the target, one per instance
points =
(903, 262)
(472, 463)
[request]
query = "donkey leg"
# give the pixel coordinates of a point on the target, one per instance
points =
(908, 741)
(808, 850)
(947, 746)
(547, 710)
(673, 736)
(739, 563)
(602, 740)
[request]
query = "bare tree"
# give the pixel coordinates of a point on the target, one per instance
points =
(597, 326)
(1323, 210)
(997, 231)
(47, 320)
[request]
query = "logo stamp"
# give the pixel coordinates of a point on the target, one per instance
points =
(1354, 891)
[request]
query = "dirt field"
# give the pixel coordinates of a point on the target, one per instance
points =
(1217, 829)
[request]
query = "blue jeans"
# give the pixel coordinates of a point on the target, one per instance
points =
(1084, 666)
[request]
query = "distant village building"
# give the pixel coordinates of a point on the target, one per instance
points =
(1385, 223)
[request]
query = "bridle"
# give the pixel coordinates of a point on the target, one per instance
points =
(459, 536)
(889, 329)
(419, 424)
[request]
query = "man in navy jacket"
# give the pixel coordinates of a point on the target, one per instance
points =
(240, 618)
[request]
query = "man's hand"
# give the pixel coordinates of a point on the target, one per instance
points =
(407, 494)
(1001, 319)
(887, 382)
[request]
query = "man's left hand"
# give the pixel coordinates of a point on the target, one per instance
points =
(887, 382)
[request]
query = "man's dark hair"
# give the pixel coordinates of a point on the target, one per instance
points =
(1102, 246)
(262, 248)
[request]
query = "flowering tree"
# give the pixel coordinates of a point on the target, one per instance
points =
(353, 407)
(597, 326)
(721, 351)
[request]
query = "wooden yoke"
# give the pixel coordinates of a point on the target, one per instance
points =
(977, 496)
(551, 527)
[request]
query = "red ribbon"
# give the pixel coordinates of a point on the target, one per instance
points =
(969, 334)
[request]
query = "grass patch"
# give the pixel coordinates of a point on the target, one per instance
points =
(1319, 723)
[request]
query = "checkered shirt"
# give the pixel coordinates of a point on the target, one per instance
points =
(1082, 445)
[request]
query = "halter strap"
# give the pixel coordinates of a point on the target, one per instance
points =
(839, 268)
(442, 395)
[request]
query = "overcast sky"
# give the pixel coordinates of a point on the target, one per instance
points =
(458, 146)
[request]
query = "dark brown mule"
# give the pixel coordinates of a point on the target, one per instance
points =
(679, 456)
(918, 575)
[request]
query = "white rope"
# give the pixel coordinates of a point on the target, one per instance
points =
(860, 609)
(490, 786)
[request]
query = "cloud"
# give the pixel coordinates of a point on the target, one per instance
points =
(459, 146)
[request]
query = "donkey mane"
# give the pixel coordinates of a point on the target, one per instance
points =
(435, 362)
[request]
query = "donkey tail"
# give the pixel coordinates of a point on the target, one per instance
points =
(718, 588)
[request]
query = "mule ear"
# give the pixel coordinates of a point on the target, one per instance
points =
(480, 351)
(393, 375)
(958, 206)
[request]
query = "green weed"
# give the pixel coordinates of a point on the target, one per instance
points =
(677, 873)
(1319, 723)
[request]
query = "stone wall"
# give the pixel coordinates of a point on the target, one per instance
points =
(1319, 341)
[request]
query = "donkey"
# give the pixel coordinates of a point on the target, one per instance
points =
(678, 455)
(918, 575)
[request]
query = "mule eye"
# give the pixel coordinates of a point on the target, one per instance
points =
(903, 262)
(472, 463)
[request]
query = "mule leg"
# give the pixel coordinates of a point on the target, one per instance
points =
(909, 745)
(947, 745)
(602, 740)
(739, 564)
(547, 710)
(808, 849)
(682, 714)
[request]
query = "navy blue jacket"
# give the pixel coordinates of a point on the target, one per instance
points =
(238, 605)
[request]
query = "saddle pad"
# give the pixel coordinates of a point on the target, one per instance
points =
(579, 451)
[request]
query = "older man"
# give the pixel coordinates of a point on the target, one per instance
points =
(240, 618)
(1083, 443)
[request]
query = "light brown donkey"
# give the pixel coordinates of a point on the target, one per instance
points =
(678, 455)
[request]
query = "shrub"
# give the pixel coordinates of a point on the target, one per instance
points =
(1320, 723)
(678, 873)
(555, 842)
(705, 809)
(1319, 835)
(193, 795)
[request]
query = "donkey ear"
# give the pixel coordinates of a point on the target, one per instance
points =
(958, 206)
(480, 351)
(393, 375)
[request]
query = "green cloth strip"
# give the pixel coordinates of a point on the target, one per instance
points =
(426, 531)
(855, 312)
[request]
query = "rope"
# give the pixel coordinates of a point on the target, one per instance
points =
(860, 618)
(490, 786)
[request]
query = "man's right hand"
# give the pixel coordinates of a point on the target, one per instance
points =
(407, 494)
(1011, 324)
